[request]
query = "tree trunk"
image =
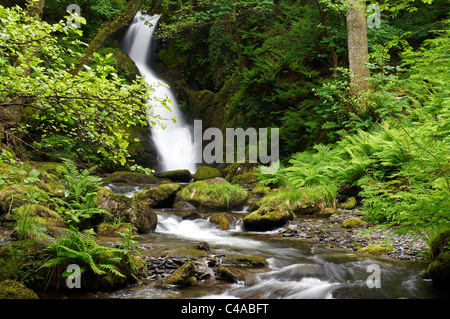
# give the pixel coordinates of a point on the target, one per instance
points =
(357, 46)
(119, 22)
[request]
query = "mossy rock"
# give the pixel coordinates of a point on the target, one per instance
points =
(439, 270)
(181, 175)
(11, 198)
(52, 185)
(222, 220)
(206, 172)
(183, 276)
(41, 215)
(190, 253)
(329, 211)
(225, 274)
(130, 177)
(10, 289)
(214, 195)
(53, 168)
(350, 203)
(131, 210)
(439, 243)
(236, 169)
(25, 256)
(162, 196)
(112, 230)
(200, 101)
(376, 249)
(263, 220)
(245, 179)
(244, 260)
(353, 222)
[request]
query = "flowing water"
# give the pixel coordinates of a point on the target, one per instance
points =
(296, 270)
(173, 139)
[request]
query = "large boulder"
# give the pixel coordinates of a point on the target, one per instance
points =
(130, 210)
(10, 289)
(181, 175)
(183, 276)
(214, 195)
(162, 196)
(206, 172)
(439, 268)
(41, 215)
(244, 260)
(264, 220)
(130, 177)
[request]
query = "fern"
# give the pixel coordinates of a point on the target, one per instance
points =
(80, 248)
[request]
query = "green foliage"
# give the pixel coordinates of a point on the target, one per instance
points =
(95, 106)
(82, 189)
(80, 248)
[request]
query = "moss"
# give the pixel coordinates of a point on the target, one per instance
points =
(53, 168)
(107, 229)
(41, 215)
(222, 220)
(214, 195)
(225, 274)
(349, 203)
(162, 196)
(15, 197)
(438, 243)
(200, 101)
(130, 210)
(439, 270)
(205, 172)
(376, 249)
(133, 177)
(329, 211)
(262, 220)
(244, 260)
(261, 190)
(353, 222)
(245, 179)
(183, 276)
(190, 253)
(52, 185)
(10, 289)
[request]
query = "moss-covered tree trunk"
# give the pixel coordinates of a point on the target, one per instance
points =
(357, 47)
(119, 22)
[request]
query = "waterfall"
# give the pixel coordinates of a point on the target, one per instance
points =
(173, 138)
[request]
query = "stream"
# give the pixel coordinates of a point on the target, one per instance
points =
(296, 269)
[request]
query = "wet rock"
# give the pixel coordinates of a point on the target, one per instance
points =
(225, 274)
(262, 220)
(181, 176)
(202, 246)
(10, 289)
(222, 220)
(183, 276)
(192, 216)
(214, 195)
(130, 177)
(206, 172)
(243, 260)
(350, 203)
(353, 222)
(162, 196)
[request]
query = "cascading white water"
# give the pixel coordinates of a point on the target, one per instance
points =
(173, 140)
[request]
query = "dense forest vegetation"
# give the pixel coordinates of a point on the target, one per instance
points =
(363, 110)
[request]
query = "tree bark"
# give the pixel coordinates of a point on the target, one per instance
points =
(357, 46)
(119, 22)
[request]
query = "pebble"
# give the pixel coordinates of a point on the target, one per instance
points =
(331, 233)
